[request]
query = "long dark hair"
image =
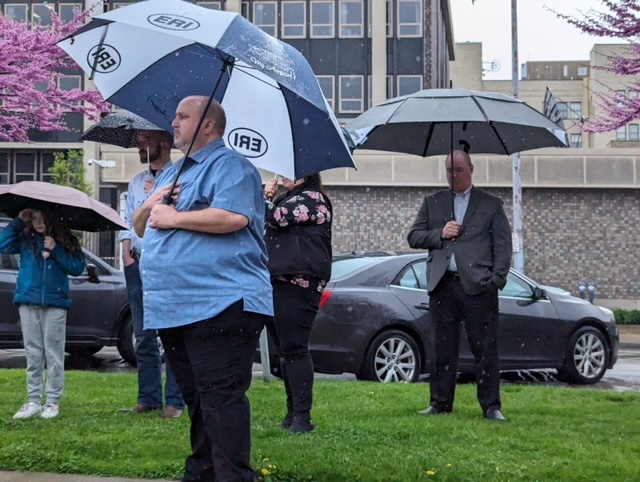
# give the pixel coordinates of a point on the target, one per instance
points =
(314, 181)
(57, 229)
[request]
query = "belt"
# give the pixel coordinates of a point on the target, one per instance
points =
(135, 255)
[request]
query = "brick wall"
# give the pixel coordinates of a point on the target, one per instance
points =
(569, 233)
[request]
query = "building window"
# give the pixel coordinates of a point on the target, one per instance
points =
(389, 18)
(328, 86)
(46, 165)
(67, 11)
(120, 5)
(582, 71)
(634, 132)
(408, 84)
(16, 11)
(244, 9)
(25, 166)
(632, 94)
(351, 93)
(621, 133)
(294, 19)
(4, 168)
(563, 110)
(210, 5)
(351, 18)
(370, 89)
(322, 19)
(69, 82)
(265, 16)
(576, 140)
(41, 14)
(575, 110)
(409, 18)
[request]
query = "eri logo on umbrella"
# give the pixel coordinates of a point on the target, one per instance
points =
(148, 56)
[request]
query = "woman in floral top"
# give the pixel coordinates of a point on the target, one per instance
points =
(298, 237)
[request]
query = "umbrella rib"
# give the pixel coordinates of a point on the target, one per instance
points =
(429, 136)
(506, 151)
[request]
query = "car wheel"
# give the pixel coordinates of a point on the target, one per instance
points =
(126, 341)
(392, 357)
(586, 358)
(83, 351)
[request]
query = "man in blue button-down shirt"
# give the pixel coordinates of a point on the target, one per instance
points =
(154, 148)
(207, 289)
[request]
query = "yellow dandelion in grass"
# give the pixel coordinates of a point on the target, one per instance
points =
(431, 472)
(265, 472)
(271, 467)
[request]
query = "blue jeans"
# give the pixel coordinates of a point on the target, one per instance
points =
(148, 352)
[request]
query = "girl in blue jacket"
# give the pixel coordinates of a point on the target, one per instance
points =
(48, 254)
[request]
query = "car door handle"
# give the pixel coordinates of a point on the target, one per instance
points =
(423, 306)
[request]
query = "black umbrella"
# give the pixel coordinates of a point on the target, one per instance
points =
(119, 129)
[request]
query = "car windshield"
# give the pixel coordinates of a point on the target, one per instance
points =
(344, 267)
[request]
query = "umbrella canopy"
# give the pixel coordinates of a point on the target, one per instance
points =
(74, 207)
(119, 129)
(148, 56)
(430, 122)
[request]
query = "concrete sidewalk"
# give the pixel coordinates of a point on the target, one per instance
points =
(629, 337)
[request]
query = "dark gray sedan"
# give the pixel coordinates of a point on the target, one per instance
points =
(99, 316)
(373, 322)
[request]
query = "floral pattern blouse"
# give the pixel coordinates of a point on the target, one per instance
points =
(307, 207)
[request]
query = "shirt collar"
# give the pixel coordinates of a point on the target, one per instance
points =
(166, 166)
(202, 154)
(466, 194)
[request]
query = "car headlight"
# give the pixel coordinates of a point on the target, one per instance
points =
(608, 313)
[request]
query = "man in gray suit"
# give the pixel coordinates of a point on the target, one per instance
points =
(469, 240)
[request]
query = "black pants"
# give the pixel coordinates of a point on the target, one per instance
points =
(449, 305)
(212, 361)
(295, 310)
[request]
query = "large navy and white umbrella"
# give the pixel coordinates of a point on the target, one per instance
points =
(148, 56)
(119, 129)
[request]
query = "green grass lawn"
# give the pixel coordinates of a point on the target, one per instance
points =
(365, 432)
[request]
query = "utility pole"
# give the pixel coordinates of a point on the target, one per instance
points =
(518, 238)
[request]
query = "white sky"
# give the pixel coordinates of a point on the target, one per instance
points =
(541, 36)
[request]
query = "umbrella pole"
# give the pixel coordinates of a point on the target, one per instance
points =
(453, 192)
(168, 199)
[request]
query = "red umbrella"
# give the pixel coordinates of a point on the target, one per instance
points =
(75, 208)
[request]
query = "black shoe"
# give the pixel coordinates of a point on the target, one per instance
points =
(288, 420)
(301, 425)
(493, 414)
(433, 411)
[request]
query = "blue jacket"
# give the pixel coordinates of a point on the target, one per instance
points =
(41, 281)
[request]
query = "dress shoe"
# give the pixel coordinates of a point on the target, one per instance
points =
(493, 414)
(140, 408)
(171, 412)
(432, 411)
(288, 420)
(301, 425)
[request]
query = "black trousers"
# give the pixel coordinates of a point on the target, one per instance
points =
(449, 306)
(212, 362)
(295, 310)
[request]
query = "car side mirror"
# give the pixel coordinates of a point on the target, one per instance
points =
(93, 273)
(538, 293)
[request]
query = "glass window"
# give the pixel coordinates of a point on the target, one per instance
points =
(67, 11)
(47, 164)
(25, 166)
(389, 18)
(414, 276)
(265, 16)
(516, 288)
(4, 168)
(244, 9)
(120, 5)
(390, 93)
(621, 133)
(582, 71)
(41, 14)
(633, 94)
(322, 19)
(294, 19)
(409, 18)
(575, 110)
(16, 11)
(351, 18)
(408, 84)
(210, 5)
(563, 110)
(341, 268)
(576, 140)
(69, 82)
(634, 133)
(328, 86)
(351, 90)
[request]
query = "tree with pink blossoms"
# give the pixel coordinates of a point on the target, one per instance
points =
(620, 20)
(30, 66)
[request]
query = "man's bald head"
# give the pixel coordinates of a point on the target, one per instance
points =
(461, 177)
(188, 115)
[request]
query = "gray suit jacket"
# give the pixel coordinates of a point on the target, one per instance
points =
(483, 247)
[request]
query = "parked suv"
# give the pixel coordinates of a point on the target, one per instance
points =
(99, 315)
